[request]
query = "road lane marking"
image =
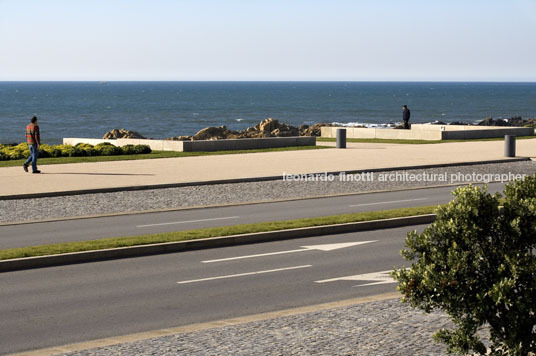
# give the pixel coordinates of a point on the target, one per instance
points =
(326, 247)
(190, 221)
(382, 277)
(243, 274)
(389, 202)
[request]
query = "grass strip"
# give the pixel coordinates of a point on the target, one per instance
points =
(152, 155)
(54, 249)
(416, 142)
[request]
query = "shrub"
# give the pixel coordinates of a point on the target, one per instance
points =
(67, 150)
(129, 149)
(20, 151)
(15, 152)
(85, 149)
(476, 262)
(142, 149)
(50, 151)
(107, 149)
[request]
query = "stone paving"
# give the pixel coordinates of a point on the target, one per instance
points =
(358, 156)
(379, 328)
(94, 204)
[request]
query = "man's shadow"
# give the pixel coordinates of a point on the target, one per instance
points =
(99, 174)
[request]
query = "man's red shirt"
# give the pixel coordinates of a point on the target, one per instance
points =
(32, 134)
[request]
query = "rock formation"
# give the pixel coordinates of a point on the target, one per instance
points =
(266, 128)
(122, 133)
(513, 121)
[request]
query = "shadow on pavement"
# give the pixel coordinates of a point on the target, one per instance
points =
(100, 174)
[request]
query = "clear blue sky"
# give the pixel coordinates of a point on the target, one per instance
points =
(473, 40)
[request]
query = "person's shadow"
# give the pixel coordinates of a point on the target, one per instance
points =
(99, 174)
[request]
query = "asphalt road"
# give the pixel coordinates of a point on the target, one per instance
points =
(59, 305)
(138, 224)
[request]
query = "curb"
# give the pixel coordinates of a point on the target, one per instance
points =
(213, 242)
(115, 340)
(240, 180)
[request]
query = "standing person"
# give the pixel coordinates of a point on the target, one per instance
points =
(405, 116)
(34, 141)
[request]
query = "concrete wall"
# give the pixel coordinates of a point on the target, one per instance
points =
(429, 127)
(431, 132)
(248, 143)
(488, 133)
(204, 145)
(156, 145)
(382, 133)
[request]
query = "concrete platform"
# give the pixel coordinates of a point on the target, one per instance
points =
(358, 156)
(203, 145)
(430, 132)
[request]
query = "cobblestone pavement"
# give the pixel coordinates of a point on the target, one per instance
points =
(94, 204)
(378, 328)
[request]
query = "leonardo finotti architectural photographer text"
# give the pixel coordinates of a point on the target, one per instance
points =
(403, 177)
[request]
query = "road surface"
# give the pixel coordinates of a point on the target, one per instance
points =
(66, 304)
(149, 223)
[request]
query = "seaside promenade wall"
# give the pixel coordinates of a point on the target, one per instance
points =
(430, 132)
(204, 145)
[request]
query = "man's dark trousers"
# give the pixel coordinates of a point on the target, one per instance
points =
(34, 153)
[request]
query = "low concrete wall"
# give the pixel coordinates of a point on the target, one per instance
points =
(204, 145)
(488, 133)
(357, 132)
(431, 132)
(156, 145)
(248, 143)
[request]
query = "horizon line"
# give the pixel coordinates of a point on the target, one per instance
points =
(265, 81)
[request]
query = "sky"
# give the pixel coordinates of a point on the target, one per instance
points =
(328, 40)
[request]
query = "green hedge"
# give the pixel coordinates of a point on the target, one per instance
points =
(20, 151)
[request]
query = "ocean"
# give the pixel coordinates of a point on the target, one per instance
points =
(165, 109)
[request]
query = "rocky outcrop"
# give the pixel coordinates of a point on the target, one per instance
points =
(517, 121)
(122, 133)
(266, 128)
(212, 133)
(314, 130)
(273, 128)
(268, 125)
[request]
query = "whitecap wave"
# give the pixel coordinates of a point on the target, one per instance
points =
(364, 124)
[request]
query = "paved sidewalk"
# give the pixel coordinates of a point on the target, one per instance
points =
(358, 156)
(376, 328)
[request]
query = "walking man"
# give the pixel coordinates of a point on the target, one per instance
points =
(405, 116)
(34, 141)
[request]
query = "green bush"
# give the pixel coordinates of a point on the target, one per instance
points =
(477, 263)
(50, 151)
(107, 149)
(15, 152)
(142, 149)
(67, 151)
(9, 152)
(129, 149)
(85, 149)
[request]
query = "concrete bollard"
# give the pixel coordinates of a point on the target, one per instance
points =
(509, 146)
(341, 138)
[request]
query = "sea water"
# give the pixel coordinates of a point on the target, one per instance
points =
(165, 109)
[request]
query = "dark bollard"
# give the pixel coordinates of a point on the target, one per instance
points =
(341, 138)
(509, 146)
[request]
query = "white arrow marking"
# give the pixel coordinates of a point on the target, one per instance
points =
(377, 278)
(243, 274)
(190, 221)
(389, 202)
(328, 247)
